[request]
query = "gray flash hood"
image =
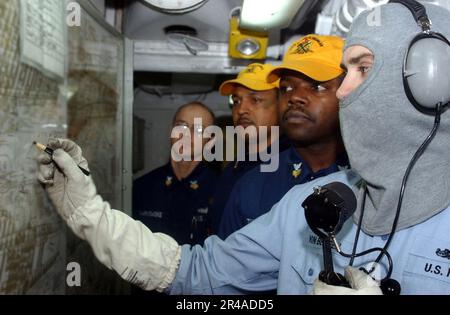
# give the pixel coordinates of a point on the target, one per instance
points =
(382, 130)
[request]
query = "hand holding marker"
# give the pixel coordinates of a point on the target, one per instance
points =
(48, 150)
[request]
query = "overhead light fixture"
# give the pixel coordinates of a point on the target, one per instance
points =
(175, 6)
(248, 47)
(246, 44)
(264, 15)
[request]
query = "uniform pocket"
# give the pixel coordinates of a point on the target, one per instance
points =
(310, 263)
(309, 267)
(427, 269)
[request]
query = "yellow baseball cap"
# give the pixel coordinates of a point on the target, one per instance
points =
(253, 77)
(316, 56)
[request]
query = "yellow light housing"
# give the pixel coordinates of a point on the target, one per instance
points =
(245, 44)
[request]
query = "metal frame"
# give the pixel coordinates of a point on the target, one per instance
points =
(157, 56)
(125, 115)
(95, 14)
(127, 132)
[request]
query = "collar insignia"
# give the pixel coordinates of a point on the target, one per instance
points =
(194, 185)
(169, 181)
(343, 167)
(297, 170)
(444, 253)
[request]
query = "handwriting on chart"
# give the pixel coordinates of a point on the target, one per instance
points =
(53, 34)
(33, 16)
(6, 154)
(17, 152)
(43, 35)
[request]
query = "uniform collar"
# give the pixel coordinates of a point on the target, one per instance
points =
(195, 174)
(295, 158)
(283, 144)
(244, 165)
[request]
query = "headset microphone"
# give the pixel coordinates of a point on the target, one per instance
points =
(326, 211)
(328, 208)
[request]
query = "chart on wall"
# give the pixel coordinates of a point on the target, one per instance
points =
(95, 107)
(37, 100)
(43, 36)
(32, 237)
(95, 84)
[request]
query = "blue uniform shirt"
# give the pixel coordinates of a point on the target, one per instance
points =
(177, 208)
(256, 192)
(279, 251)
(230, 175)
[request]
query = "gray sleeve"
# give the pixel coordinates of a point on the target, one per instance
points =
(247, 261)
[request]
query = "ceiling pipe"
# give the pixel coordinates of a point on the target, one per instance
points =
(175, 6)
(265, 15)
(350, 9)
(303, 14)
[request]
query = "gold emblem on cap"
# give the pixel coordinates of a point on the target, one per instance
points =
(303, 47)
(252, 68)
(297, 170)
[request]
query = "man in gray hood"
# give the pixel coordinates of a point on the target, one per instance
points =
(381, 130)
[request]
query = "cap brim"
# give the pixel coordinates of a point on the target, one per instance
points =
(228, 87)
(311, 68)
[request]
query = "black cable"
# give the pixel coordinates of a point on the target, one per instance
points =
(417, 155)
(358, 231)
(374, 249)
(355, 244)
(384, 251)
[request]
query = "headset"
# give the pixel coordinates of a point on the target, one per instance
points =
(426, 67)
(426, 80)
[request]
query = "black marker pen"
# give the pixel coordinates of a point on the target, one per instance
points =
(49, 151)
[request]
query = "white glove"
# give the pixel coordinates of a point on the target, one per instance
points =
(148, 260)
(360, 282)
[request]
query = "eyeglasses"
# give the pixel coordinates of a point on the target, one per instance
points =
(194, 129)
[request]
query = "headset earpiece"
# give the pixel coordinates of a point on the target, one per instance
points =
(426, 68)
(426, 72)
